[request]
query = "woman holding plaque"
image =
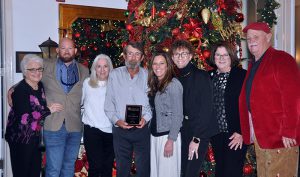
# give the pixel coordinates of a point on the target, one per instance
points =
(98, 138)
(165, 96)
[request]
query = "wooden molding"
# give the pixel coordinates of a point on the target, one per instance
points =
(69, 13)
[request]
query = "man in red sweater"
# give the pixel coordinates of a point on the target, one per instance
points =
(270, 105)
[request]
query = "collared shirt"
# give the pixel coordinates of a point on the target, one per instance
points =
(123, 90)
(68, 76)
(250, 79)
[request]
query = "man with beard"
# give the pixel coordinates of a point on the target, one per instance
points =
(127, 85)
(62, 79)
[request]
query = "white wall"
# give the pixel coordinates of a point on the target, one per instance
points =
(36, 20)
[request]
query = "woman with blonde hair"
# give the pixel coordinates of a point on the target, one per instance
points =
(98, 139)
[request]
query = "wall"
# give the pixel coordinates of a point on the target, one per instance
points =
(36, 20)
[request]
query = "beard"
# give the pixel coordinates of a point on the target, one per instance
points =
(132, 65)
(67, 58)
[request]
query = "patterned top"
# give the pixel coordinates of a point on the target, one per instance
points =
(27, 114)
(219, 86)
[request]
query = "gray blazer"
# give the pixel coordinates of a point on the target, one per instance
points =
(169, 109)
(70, 101)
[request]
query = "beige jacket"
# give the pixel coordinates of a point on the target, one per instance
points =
(70, 101)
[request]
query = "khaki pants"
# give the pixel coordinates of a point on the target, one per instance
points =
(282, 162)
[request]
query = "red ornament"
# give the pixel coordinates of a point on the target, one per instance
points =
(124, 44)
(95, 48)
(239, 17)
(102, 35)
(77, 35)
(206, 54)
(162, 13)
(175, 32)
(202, 174)
(129, 27)
(83, 48)
(248, 169)
(153, 11)
(108, 44)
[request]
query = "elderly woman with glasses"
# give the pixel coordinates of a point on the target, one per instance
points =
(25, 119)
(227, 80)
(98, 138)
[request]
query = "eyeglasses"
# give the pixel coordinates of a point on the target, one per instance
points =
(137, 54)
(34, 70)
(219, 56)
(182, 55)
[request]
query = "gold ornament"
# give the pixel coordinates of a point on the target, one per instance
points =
(142, 9)
(238, 28)
(107, 26)
(178, 15)
(166, 49)
(217, 21)
(144, 21)
(205, 13)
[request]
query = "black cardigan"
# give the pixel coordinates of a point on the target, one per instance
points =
(197, 102)
(232, 93)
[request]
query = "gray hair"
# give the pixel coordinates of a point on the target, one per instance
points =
(93, 77)
(29, 58)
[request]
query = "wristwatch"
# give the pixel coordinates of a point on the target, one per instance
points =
(196, 140)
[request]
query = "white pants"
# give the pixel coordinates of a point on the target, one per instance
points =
(162, 166)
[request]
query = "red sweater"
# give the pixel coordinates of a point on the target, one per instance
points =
(274, 101)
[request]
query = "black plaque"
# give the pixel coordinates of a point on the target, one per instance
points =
(133, 114)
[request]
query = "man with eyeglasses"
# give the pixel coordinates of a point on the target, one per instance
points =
(270, 105)
(127, 85)
(198, 124)
(62, 79)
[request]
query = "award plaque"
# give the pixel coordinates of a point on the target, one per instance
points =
(133, 114)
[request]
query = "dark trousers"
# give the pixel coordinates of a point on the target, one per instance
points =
(99, 151)
(229, 162)
(25, 160)
(191, 168)
(127, 142)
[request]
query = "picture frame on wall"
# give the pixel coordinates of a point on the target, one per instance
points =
(19, 57)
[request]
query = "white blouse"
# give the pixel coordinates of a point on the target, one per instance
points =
(93, 106)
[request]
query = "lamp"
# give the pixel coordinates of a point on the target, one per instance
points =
(49, 48)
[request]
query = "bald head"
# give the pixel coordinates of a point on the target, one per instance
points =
(66, 50)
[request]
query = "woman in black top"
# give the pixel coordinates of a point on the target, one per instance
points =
(28, 111)
(227, 80)
(198, 123)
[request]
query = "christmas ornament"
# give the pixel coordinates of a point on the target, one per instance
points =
(77, 35)
(102, 35)
(144, 21)
(175, 31)
(247, 169)
(129, 27)
(153, 11)
(205, 14)
(178, 15)
(107, 26)
(126, 13)
(239, 17)
(162, 13)
(108, 45)
(152, 39)
(83, 48)
(202, 174)
(95, 48)
(217, 21)
(211, 158)
(166, 49)
(124, 44)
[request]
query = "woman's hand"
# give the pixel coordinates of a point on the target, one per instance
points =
(55, 107)
(193, 149)
(288, 142)
(168, 150)
(236, 141)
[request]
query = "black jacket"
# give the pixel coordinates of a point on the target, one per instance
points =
(232, 93)
(197, 102)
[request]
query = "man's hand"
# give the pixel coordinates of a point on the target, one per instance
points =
(288, 142)
(168, 150)
(123, 124)
(55, 107)
(142, 123)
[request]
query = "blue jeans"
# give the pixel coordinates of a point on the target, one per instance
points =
(61, 152)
